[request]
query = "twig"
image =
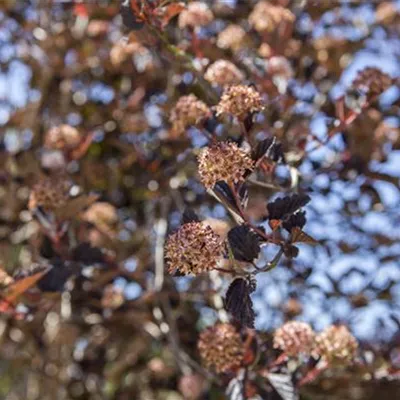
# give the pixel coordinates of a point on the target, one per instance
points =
(272, 264)
(161, 230)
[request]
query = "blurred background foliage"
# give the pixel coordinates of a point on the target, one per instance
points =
(113, 332)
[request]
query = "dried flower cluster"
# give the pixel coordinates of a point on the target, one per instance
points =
(232, 37)
(120, 83)
(223, 161)
(63, 137)
(196, 14)
(188, 110)
(266, 17)
(194, 248)
(372, 81)
(224, 73)
(50, 194)
(221, 347)
(294, 337)
(336, 343)
(239, 101)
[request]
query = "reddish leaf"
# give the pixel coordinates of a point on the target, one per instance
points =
(275, 224)
(169, 12)
(19, 287)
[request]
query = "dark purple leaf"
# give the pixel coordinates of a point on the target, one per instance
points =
(244, 243)
(296, 220)
(282, 207)
(128, 17)
(238, 301)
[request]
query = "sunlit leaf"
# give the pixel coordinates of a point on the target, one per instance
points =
(13, 291)
(298, 236)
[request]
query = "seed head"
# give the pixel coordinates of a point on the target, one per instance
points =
(189, 110)
(223, 73)
(266, 17)
(232, 37)
(372, 81)
(194, 248)
(223, 161)
(221, 347)
(196, 14)
(63, 137)
(50, 194)
(336, 343)
(239, 100)
(294, 337)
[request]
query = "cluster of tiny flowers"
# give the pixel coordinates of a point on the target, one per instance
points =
(189, 110)
(63, 137)
(232, 37)
(221, 347)
(224, 73)
(50, 194)
(196, 14)
(239, 100)
(223, 161)
(266, 17)
(294, 337)
(372, 81)
(194, 248)
(336, 343)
